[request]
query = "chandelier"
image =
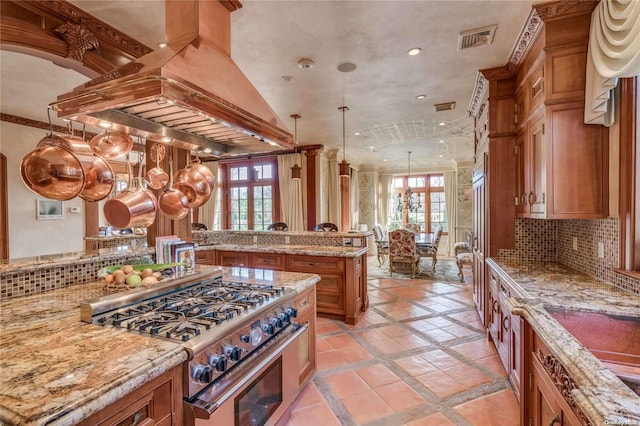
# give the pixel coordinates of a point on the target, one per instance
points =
(409, 200)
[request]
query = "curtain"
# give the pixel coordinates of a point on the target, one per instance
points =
(614, 52)
(354, 199)
(290, 192)
(333, 194)
(450, 191)
(209, 211)
(383, 200)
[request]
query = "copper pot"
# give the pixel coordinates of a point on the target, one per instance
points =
(157, 178)
(135, 206)
(206, 172)
(99, 178)
(194, 185)
(53, 172)
(173, 203)
(111, 144)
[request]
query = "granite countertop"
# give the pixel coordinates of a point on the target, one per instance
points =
(602, 396)
(328, 251)
(55, 369)
(114, 237)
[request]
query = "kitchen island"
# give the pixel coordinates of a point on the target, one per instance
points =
(58, 370)
(548, 323)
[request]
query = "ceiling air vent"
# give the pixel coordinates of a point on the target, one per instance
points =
(447, 106)
(477, 37)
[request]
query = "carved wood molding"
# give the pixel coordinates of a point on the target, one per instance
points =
(562, 381)
(525, 40)
(78, 38)
(479, 93)
(563, 8)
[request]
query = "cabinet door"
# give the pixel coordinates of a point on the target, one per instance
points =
(305, 305)
(537, 171)
(547, 410)
(479, 286)
(521, 201)
(494, 314)
(515, 353)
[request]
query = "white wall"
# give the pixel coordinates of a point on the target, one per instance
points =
(27, 235)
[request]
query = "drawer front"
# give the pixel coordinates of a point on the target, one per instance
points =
(230, 258)
(304, 303)
(205, 257)
(314, 264)
(267, 261)
(330, 294)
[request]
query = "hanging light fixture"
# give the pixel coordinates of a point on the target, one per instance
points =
(295, 169)
(344, 166)
(409, 201)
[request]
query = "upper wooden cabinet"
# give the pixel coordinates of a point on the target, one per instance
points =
(561, 163)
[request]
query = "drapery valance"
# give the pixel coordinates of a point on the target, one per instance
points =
(614, 52)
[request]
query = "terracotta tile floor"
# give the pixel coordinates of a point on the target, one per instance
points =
(417, 357)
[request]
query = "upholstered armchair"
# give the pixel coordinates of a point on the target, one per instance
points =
(402, 249)
(432, 249)
(415, 227)
(382, 245)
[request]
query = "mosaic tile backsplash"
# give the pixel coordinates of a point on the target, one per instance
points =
(552, 240)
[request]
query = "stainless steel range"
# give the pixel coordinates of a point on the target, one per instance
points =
(241, 341)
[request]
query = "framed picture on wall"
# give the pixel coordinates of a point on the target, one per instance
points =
(49, 209)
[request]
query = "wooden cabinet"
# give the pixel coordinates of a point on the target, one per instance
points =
(549, 381)
(233, 258)
(158, 402)
(479, 287)
(305, 306)
(205, 257)
(272, 261)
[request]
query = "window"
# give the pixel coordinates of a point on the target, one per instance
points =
(252, 197)
(629, 176)
(428, 191)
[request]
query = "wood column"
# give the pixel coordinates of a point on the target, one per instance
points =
(345, 203)
(312, 189)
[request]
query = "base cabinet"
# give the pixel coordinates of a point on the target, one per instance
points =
(306, 309)
(158, 402)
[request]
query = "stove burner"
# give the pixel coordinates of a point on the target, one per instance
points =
(187, 313)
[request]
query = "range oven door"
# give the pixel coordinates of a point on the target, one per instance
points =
(258, 393)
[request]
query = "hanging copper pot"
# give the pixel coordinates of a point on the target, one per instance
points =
(173, 203)
(135, 206)
(205, 171)
(111, 144)
(99, 178)
(53, 172)
(157, 178)
(194, 185)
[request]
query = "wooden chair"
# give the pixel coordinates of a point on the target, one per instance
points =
(278, 226)
(382, 245)
(414, 227)
(402, 249)
(195, 226)
(463, 246)
(432, 250)
(326, 227)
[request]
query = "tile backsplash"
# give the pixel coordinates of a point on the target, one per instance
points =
(552, 240)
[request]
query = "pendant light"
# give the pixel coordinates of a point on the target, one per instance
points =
(409, 200)
(344, 166)
(295, 169)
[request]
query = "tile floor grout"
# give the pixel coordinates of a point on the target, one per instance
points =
(338, 394)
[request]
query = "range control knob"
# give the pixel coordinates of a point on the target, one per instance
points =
(203, 374)
(232, 352)
(284, 317)
(268, 328)
(292, 312)
(277, 322)
(218, 362)
(245, 338)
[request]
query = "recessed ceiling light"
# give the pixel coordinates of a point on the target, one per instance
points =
(162, 45)
(442, 123)
(441, 155)
(166, 139)
(346, 67)
(441, 141)
(104, 124)
(421, 97)
(414, 51)
(384, 160)
(306, 64)
(286, 78)
(207, 150)
(356, 133)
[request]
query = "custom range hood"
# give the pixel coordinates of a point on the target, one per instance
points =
(189, 94)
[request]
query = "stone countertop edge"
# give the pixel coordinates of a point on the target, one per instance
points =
(325, 251)
(89, 400)
(332, 234)
(602, 396)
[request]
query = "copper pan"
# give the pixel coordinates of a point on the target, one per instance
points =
(157, 178)
(135, 206)
(111, 144)
(173, 203)
(194, 185)
(99, 178)
(53, 172)
(205, 171)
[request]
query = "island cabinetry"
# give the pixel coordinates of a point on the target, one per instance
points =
(158, 402)
(233, 258)
(549, 381)
(205, 257)
(330, 290)
(305, 305)
(271, 261)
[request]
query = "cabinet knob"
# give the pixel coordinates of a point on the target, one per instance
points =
(532, 198)
(505, 323)
(523, 199)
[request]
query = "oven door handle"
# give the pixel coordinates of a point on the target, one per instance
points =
(203, 409)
